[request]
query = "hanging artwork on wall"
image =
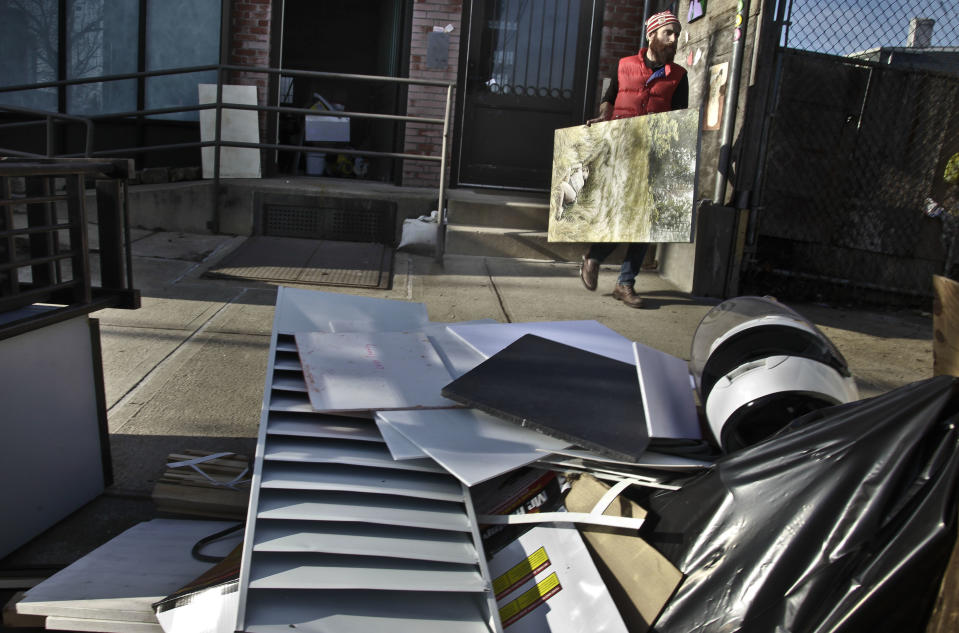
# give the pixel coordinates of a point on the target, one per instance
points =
(697, 9)
(626, 180)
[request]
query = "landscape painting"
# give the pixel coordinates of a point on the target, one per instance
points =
(627, 180)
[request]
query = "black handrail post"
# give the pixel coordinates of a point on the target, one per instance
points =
(441, 196)
(216, 150)
(88, 148)
(50, 135)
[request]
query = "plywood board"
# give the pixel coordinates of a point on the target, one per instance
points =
(568, 393)
(120, 580)
(372, 371)
(471, 445)
(627, 180)
(591, 336)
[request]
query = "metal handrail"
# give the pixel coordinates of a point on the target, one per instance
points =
(50, 118)
(218, 105)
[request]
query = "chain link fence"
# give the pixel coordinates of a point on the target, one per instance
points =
(856, 203)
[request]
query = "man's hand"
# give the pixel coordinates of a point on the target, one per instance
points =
(605, 113)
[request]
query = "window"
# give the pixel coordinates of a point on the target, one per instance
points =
(102, 38)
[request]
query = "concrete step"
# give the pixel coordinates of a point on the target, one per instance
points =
(489, 241)
(509, 210)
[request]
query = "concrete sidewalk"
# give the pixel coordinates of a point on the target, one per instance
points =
(186, 371)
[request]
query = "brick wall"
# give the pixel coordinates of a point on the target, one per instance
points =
(622, 32)
(250, 45)
(429, 101)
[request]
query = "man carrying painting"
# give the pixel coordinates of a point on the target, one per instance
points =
(644, 83)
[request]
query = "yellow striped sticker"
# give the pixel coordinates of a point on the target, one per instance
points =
(530, 599)
(521, 572)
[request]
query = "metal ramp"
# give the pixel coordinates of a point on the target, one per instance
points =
(340, 536)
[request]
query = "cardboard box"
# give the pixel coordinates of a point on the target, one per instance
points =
(327, 128)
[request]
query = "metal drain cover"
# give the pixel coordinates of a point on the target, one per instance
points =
(310, 262)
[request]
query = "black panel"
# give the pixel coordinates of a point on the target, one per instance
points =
(587, 399)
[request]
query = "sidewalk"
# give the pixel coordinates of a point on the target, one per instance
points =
(186, 371)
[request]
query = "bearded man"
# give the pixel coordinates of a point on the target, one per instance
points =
(644, 83)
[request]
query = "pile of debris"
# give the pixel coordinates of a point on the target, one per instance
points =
(555, 476)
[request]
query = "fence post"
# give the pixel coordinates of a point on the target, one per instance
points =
(215, 223)
(440, 203)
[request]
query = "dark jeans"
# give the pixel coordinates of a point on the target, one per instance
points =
(635, 254)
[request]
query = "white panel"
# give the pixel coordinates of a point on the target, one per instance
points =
(366, 540)
(299, 310)
(372, 371)
(317, 425)
(50, 449)
(470, 444)
(242, 126)
(383, 525)
(377, 509)
(649, 459)
(99, 626)
(366, 612)
(667, 394)
(458, 357)
(366, 325)
(355, 479)
(109, 583)
(325, 571)
(591, 336)
(400, 447)
(350, 453)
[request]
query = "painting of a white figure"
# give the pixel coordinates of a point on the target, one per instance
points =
(626, 180)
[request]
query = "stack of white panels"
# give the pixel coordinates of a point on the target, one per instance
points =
(340, 536)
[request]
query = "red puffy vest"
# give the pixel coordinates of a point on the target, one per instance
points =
(637, 94)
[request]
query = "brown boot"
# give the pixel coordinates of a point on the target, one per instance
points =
(589, 272)
(625, 293)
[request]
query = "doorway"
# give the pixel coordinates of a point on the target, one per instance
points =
(362, 37)
(526, 72)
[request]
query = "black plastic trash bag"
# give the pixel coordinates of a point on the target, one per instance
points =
(842, 522)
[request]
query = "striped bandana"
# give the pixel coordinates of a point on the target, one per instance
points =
(660, 20)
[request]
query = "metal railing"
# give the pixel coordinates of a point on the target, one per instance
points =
(218, 106)
(45, 255)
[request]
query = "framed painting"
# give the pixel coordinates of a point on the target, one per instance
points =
(626, 180)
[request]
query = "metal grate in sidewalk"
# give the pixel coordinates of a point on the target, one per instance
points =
(311, 262)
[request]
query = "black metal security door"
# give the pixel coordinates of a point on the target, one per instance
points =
(527, 73)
